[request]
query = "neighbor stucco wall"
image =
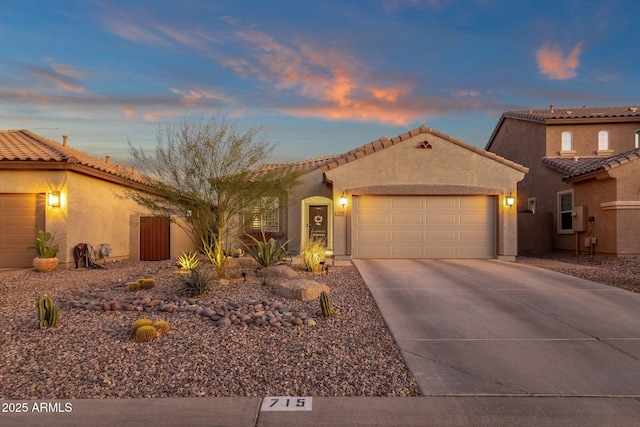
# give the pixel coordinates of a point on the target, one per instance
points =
(447, 168)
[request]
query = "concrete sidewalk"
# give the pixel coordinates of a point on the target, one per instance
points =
(333, 411)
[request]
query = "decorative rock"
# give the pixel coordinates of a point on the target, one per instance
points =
(301, 289)
(279, 271)
(310, 322)
(208, 312)
(225, 321)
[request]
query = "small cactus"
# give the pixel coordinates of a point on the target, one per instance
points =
(162, 326)
(138, 324)
(325, 305)
(47, 313)
(133, 286)
(147, 283)
(146, 333)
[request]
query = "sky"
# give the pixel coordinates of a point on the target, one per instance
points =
(320, 78)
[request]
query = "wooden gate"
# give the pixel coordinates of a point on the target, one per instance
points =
(154, 238)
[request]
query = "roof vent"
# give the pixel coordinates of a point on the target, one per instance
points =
(106, 159)
(551, 108)
(569, 112)
(633, 109)
(64, 140)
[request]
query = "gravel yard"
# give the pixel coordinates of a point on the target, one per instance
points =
(90, 355)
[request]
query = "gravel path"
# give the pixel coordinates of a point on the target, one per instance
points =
(91, 356)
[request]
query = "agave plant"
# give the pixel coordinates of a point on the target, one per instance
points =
(266, 252)
(188, 260)
(214, 251)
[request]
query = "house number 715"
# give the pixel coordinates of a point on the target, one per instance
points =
(284, 403)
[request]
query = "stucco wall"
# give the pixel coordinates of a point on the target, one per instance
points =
(447, 168)
(585, 137)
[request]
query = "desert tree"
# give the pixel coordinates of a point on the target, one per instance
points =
(208, 172)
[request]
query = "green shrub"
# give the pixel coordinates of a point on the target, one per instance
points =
(195, 283)
(313, 254)
(266, 252)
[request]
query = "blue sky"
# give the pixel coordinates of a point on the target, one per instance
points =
(321, 77)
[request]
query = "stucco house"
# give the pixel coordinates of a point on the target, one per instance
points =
(79, 198)
(422, 194)
(582, 190)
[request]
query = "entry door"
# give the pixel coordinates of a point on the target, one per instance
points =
(317, 222)
(154, 238)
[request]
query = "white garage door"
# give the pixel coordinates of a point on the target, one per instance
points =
(423, 227)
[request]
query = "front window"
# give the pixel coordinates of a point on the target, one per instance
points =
(265, 215)
(567, 141)
(638, 139)
(565, 212)
(603, 140)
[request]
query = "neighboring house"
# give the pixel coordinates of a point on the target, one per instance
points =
(583, 181)
(79, 198)
(422, 194)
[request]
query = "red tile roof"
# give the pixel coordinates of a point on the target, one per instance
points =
(24, 146)
(575, 167)
(589, 113)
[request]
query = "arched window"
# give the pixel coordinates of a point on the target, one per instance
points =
(603, 140)
(567, 141)
(638, 139)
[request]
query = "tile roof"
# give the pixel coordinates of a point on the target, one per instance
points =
(575, 167)
(25, 146)
(332, 162)
(592, 113)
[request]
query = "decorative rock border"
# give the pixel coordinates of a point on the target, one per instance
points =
(248, 313)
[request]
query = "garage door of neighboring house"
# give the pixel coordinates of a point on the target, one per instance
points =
(19, 214)
(423, 227)
(154, 238)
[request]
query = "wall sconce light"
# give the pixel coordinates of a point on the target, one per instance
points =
(53, 199)
(343, 200)
(510, 200)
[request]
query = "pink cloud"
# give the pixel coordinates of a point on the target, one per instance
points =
(553, 63)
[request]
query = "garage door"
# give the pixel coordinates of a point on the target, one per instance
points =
(18, 218)
(423, 227)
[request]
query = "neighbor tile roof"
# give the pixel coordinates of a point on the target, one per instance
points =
(593, 113)
(332, 162)
(575, 167)
(25, 146)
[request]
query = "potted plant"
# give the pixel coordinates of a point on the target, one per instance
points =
(46, 250)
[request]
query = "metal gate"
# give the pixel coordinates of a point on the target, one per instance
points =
(154, 238)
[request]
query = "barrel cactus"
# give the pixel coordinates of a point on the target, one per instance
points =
(147, 283)
(162, 326)
(133, 286)
(146, 333)
(47, 313)
(138, 324)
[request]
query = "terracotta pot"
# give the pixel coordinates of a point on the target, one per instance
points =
(45, 264)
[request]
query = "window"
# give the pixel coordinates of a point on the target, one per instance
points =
(567, 141)
(565, 212)
(265, 215)
(638, 139)
(603, 140)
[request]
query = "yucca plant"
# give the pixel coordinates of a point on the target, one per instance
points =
(188, 260)
(195, 283)
(266, 252)
(313, 254)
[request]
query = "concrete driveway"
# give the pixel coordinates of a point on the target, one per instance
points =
(494, 328)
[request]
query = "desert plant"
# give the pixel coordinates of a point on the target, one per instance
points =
(325, 305)
(138, 324)
(162, 326)
(133, 286)
(313, 254)
(44, 246)
(146, 333)
(47, 312)
(188, 260)
(195, 283)
(216, 254)
(266, 252)
(147, 283)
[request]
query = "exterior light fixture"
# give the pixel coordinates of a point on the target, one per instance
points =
(343, 200)
(53, 199)
(510, 200)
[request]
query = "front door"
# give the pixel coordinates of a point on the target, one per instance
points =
(317, 222)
